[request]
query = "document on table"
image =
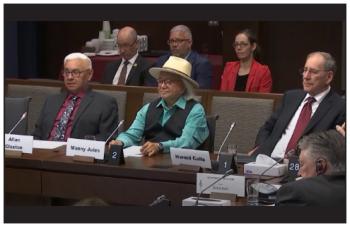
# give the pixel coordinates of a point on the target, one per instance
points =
(46, 144)
(133, 151)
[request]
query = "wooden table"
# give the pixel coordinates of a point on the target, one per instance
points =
(50, 173)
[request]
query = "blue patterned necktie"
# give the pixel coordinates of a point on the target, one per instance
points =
(62, 124)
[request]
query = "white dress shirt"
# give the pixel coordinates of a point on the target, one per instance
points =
(129, 67)
(281, 146)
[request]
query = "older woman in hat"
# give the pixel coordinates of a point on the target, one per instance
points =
(174, 119)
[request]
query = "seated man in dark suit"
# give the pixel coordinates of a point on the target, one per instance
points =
(131, 69)
(315, 108)
(322, 167)
(180, 42)
(77, 111)
(173, 120)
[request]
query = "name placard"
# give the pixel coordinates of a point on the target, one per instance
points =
(19, 143)
(89, 148)
(190, 157)
(230, 185)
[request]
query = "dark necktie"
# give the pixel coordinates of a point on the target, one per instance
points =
(62, 124)
(122, 76)
(302, 122)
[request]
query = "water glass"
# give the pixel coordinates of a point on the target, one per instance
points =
(252, 191)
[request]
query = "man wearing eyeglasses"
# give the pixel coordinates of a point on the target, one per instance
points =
(77, 111)
(315, 108)
(180, 43)
(132, 68)
(175, 119)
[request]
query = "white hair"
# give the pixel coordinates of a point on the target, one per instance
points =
(78, 55)
(182, 28)
(189, 93)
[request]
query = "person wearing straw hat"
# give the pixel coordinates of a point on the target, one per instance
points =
(175, 119)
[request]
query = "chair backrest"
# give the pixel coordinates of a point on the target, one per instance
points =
(208, 144)
(37, 93)
(249, 115)
(14, 109)
(120, 96)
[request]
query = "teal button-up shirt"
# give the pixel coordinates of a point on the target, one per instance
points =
(193, 134)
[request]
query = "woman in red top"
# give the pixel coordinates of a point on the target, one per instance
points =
(246, 74)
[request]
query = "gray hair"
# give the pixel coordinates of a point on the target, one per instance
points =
(78, 56)
(182, 28)
(329, 64)
(189, 92)
(329, 145)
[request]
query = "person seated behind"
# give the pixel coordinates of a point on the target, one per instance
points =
(77, 111)
(315, 108)
(322, 168)
(180, 43)
(246, 74)
(132, 68)
(173, 120)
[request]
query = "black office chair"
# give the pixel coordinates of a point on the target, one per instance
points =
(14, 109)
(208, 144)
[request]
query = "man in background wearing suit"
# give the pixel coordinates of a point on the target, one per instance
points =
(180, 43)
(77, 111)
(322, 167)
(315, 108)
(131, 69)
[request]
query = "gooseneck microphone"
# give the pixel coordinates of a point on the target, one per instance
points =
(19, 121)
(228, 133)
(228, 172)
(114, 131)
(261, 186)
(287, 155)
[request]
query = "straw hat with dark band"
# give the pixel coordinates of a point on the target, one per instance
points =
(177, 66)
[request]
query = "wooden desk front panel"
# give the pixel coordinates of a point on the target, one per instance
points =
(113, 189)
(22, 181)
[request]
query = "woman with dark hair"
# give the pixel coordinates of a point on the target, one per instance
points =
(246, 74)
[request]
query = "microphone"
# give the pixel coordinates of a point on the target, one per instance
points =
(231, 127)
(160, 201)
(268, 188)
(19, 121)
(228, 172)
(288, 154)
(120, 123)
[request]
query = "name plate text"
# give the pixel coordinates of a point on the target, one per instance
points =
(19, 143)
(230, 185)
(88, 148)
(190, 157)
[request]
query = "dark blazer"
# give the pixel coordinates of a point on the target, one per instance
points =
(137, 75)
(201, 69)
(97, 115)
(323, 190)
(259, 78)
(329, 113)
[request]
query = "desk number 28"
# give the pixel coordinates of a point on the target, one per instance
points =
(294, 166)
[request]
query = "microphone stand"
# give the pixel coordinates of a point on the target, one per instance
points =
(21, 119)
(120, 123)
(228, 172)
(231, 127)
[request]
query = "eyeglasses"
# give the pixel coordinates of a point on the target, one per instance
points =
(176, 41)
(75, 73)
(166, 82)
(242, 44)
(310, 70)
